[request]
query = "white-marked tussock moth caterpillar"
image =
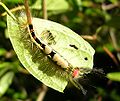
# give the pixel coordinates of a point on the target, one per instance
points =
(51, 52)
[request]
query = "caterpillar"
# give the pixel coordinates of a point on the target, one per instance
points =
(62, 55)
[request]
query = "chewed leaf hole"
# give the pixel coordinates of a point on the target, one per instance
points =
(86, 58)
(75, 47)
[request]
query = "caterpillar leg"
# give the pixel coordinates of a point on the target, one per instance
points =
(75, 82)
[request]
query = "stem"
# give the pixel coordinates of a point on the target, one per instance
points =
(44, 9)
(13, 10)
(29, 19)
(114, 40)
(7, 10)
(110, 6)
(42, 93)
(111, 55)
(28, 14)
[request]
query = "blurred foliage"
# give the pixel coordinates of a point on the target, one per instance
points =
(96, 20)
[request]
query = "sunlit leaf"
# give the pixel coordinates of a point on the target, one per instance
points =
(38, 63)
(5, 82)
(52, 4)
(33, 59)
(2, 51)
(114, 76)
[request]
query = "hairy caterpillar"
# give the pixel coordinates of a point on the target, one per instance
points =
(51, 52)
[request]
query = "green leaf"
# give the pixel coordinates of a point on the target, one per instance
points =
(2, 51)
(2, 24)
(38, 63)
(87, 3)
(14, 1)
(33, 59)
(115, 76)
(4, 64)
(7, 66)
(114, 1)
(74, 49)
(5, 82)
(108, 45)
(52, 5)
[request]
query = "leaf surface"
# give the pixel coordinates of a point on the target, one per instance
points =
(33, 59)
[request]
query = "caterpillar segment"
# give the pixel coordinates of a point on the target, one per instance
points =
(56, 57)
(48, 50)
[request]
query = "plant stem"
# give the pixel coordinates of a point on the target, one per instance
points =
(42, 92)
(28, 14)
(8, 11)
(44, 8)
